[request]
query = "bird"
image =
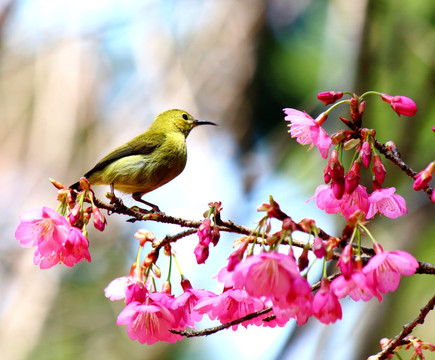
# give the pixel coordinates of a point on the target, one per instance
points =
(149, 160)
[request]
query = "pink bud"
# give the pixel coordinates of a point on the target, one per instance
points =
(201, 253)
(303, 260)
(185, 283)
(319, 247)
(402, 105)
(366, 153)
(352, 178)
(74, 214)
(329, 97)
(378, 169)
(204, 232)
(345, 262)
(99, 219)
(423, 177)
(166, 287)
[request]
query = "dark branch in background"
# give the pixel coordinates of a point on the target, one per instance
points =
(407, 329)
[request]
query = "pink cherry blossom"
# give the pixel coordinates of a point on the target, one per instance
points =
(55, 239)
(186, 302)
(267, 274)
(45, 228)
(128, 288)
(326, 306)
(387, 203)
(355, 285)
(402, 105)
(148, 322)
(75, 248)
(297, 304)
(231, 305)
(347, 205)
(384, 269)
(306, 130)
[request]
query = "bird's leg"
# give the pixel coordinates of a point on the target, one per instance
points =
(138, 198)
(113, 198)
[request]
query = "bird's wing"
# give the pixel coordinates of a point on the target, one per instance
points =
(137, 146)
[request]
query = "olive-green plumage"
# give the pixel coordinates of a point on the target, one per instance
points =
(149, 160)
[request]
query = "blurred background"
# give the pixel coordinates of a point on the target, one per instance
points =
(80, 78)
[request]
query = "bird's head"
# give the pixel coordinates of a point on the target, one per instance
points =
(177, 121)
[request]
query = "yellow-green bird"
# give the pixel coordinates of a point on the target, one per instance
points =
(149, 160)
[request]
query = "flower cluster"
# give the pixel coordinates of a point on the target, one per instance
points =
(343, 193)
(59, 238)
(207, 233)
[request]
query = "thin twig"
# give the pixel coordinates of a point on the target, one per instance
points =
(407, 329)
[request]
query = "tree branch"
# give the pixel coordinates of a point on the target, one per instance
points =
(407, 329)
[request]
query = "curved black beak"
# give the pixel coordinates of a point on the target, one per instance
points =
(202, 122)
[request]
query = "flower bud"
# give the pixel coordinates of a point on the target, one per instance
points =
(166, 287)
(402, 105)
(319, 248)
(423, 178)
(329, 97)
(185, 283)
(201, 253)
(378, 169)
(99, 219)
(144, 236)
(303, 260)
(366, 154)
(352, 178)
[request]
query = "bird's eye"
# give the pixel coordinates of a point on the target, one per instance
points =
(185, 117)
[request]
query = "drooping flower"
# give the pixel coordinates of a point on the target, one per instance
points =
(307, 131)
(149, 322)
(387, 203)
(347, 205)
(326, 306)
(45, 228)
(298, 304)
(231, 305)
(384, 269)
(267, 274)
(75, 248)
(355, 286)
(329, 97)
(402, 105)
(186, 302)
(55, 239)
